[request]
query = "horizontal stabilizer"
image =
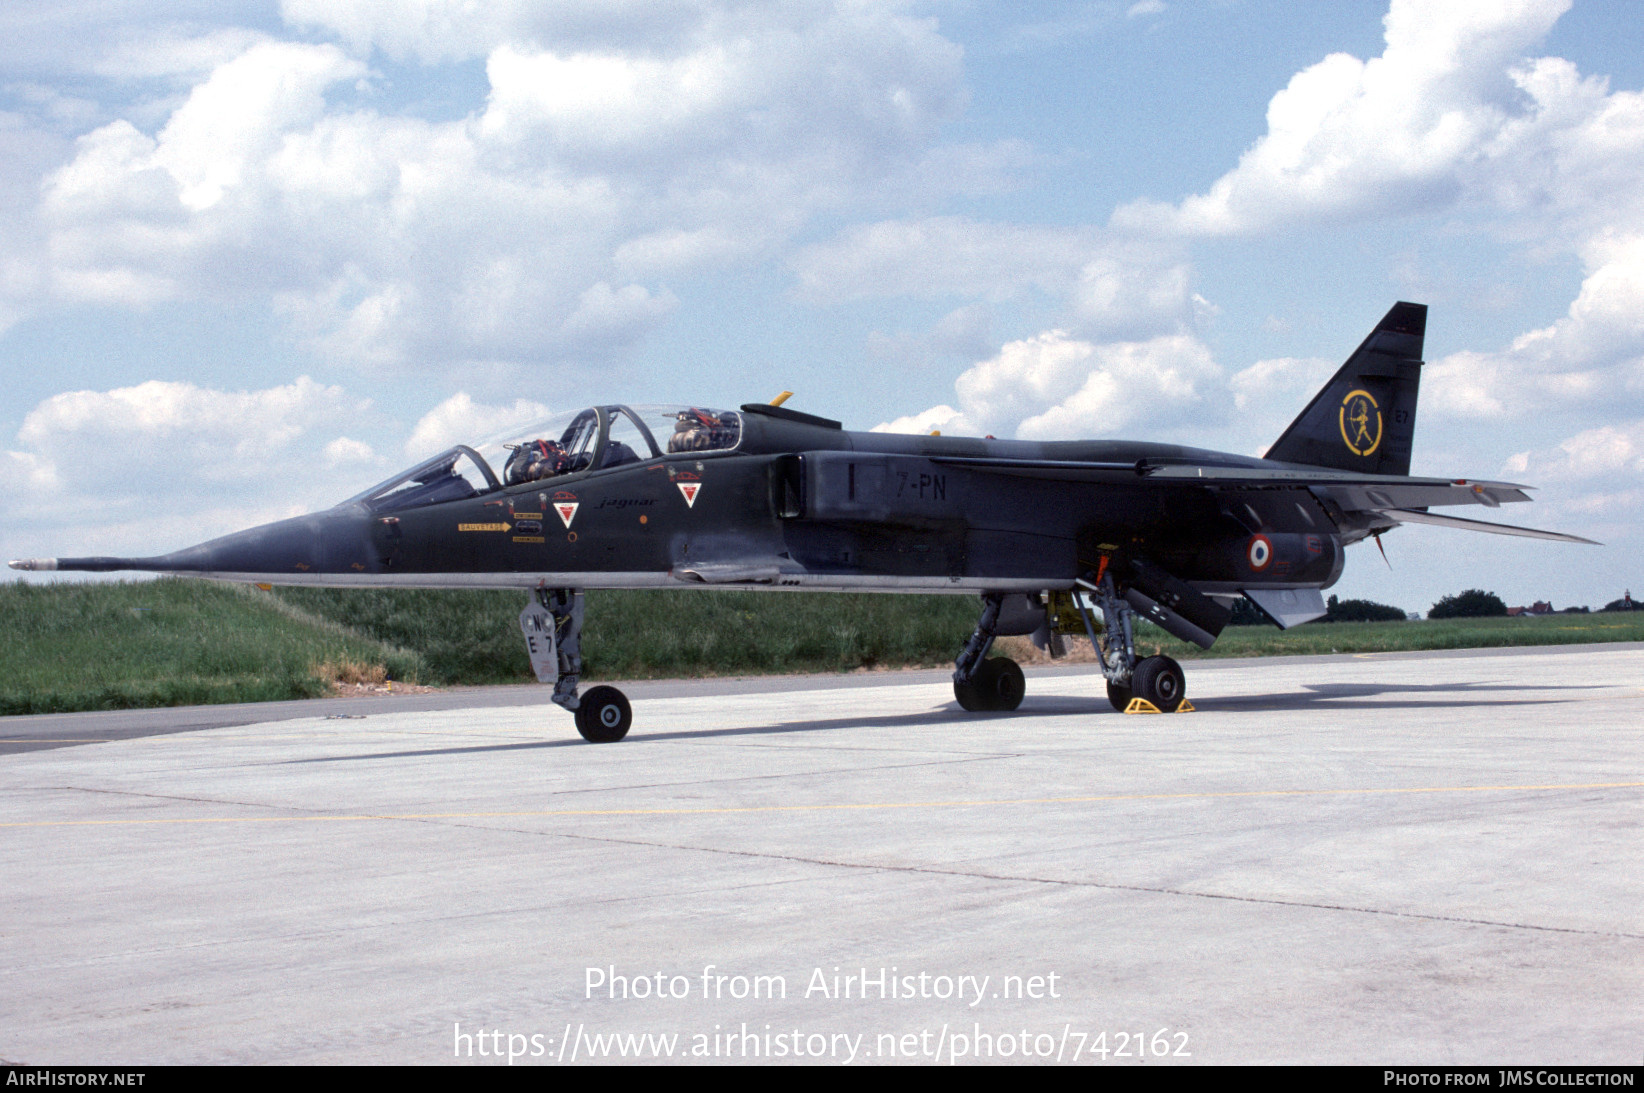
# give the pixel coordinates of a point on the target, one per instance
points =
(1287, 607)
(1411, 516)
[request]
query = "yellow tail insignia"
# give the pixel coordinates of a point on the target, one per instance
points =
(1358, 411)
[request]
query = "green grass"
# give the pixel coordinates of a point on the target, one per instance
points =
(109, 646)
(1393, 637)
(474, 637)
(176, 642)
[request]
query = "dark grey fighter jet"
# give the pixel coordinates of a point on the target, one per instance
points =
(1056, 538)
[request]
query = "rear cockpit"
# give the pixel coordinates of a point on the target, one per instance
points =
(572, 443)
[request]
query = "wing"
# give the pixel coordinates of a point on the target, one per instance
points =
(1415, 516)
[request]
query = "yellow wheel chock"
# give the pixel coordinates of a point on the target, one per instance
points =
(1142, 705)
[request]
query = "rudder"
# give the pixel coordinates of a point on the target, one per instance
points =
(1364, 419)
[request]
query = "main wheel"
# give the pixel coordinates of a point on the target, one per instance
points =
(603, 716)
(998, 685)
(1160, 681)
(1120, 696)
(1001, 683)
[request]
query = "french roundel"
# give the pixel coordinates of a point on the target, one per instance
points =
(1261, 552)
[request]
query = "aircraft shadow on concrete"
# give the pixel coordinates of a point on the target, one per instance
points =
(1314, 696)
(1414, 696)
(937, 716)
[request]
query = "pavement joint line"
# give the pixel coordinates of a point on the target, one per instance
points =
(748, 809)
(1112, 886)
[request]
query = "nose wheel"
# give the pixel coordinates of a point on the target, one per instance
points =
(603, 716)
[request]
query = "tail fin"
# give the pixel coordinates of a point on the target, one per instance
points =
(1365, 417)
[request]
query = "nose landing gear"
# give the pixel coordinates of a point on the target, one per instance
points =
(552, 623)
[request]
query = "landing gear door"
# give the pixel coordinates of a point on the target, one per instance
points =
(537, 622)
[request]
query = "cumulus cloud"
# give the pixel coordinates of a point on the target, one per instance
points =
(617, 315)
(165, 464)
(25, 473)
(1604, 455)
(1453, 116)
(1593, 355)
(1055, 387)
(942, 418)
(693, 133)
(433, 31)
(174, 54)
(193, 431)
(1390, 135)
(1270, 393)
(461, 420)
(1127, 291)
(348, 450)
(943, 256)
(168, 463)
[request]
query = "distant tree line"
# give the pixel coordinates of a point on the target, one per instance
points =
(1475, 603)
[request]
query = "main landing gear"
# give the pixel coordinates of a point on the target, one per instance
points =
(980, 683)
(552, 623)
(1157, 679)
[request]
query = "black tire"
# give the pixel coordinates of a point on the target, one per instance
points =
(1120, 696)
(603, 717)
(1001, 683)
(997, 686)
(1160, 681)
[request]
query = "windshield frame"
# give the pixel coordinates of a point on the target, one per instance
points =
(605, 418)
(421, 472)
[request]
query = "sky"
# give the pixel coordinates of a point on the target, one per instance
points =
(256, 255)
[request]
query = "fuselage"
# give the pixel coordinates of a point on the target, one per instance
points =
(800, 503)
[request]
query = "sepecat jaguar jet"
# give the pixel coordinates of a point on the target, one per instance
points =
(1056, 538)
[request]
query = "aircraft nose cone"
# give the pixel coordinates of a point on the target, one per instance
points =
(327, 542)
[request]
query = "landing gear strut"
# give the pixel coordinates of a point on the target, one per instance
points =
(980, 683)
(552, 623)
(1158, 679)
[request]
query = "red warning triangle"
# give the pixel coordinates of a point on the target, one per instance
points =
(567, 510)
(689, 489)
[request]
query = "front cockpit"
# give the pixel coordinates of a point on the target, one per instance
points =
(566, 445)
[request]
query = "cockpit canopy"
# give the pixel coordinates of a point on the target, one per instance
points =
(574, 442)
